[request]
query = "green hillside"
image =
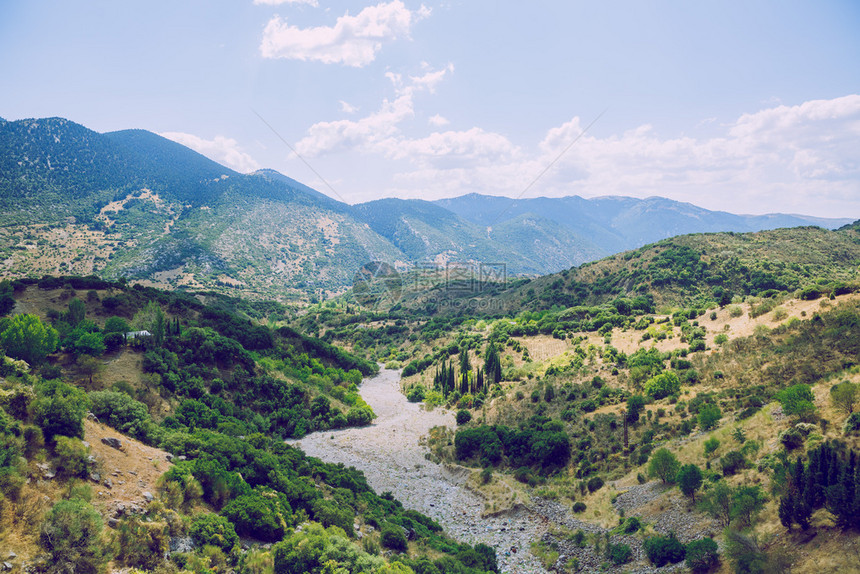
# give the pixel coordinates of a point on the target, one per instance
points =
(217, 393)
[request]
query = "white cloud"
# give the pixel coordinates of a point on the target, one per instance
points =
(438, 121)
(378, 132)
(776, 159)
(352, 41)
(279, 2)
(429, 80)
(347, 108)
(225, 151)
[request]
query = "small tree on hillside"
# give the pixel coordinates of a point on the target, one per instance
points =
(689, 480)
(663, 465)
(844, 396)
(26, 337)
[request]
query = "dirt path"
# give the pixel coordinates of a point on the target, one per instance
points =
(390, 456)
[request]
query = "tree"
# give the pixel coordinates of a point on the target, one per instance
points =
(717, 502)
(76, 313)
(151, 318)
(89, 366)
(663, 465)
(215, 530)
(635, 405)
(89, 344)
(689, 480)
(747, 502)
(844, 396)
(116, 325)
(59, 409)
(663, 385)
(662, 550)
(25, 337)
(702, 555)
(797, 401)
(71, 534)
(709, 415)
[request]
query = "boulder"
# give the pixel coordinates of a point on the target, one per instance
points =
(112, 442)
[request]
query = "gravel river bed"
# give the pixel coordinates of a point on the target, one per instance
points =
(389, 454)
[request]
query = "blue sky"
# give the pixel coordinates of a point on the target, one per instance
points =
(749, 107)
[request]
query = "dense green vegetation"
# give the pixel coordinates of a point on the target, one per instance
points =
(235, 388)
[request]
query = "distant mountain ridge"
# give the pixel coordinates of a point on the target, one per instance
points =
(616, 223)
(133, 204)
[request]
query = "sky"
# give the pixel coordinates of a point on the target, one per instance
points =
(743, 106)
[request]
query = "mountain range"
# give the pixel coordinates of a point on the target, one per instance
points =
(134, 204)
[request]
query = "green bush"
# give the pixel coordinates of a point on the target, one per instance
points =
(59, 409)
(689, 479)
(663, 385)
(709, 415)
(259, 515)
(619, 553)
(130, 417)
(71, 534)
(852, 423)
(711, 445)
(579, 507)
(393, 537)
(214, 530)
(797, 401)
(702, 555)
(329, 513)
(662, 550)
(594, 484)
(732, 462)
(359, 416)
(71, 457)
(791, 439)
(415, 394)
(463, 416)
(664, 465)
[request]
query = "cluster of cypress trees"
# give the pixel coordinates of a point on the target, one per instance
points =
(447, 380)
(831, 480)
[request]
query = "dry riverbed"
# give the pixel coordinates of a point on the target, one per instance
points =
(389, 454)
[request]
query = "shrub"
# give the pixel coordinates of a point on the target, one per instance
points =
(797, 401)
(791, 439)
(732, 462)
(463, 416)
(702, 555)
(632, 525)
(59, 409)
(711, 445)
(120, 411)
(393, 537)
(662, 550)
(619, 553)
(142, 544)
(595, 483)
(214, 530)
(579, 507)
(71, 535)
(709, 415)
(415, 394)
(71, 457)
(689, 480)
(259, 515)
(663, 465)
(329, 513)
(359, 416)
(852, 423)
(663, 385)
